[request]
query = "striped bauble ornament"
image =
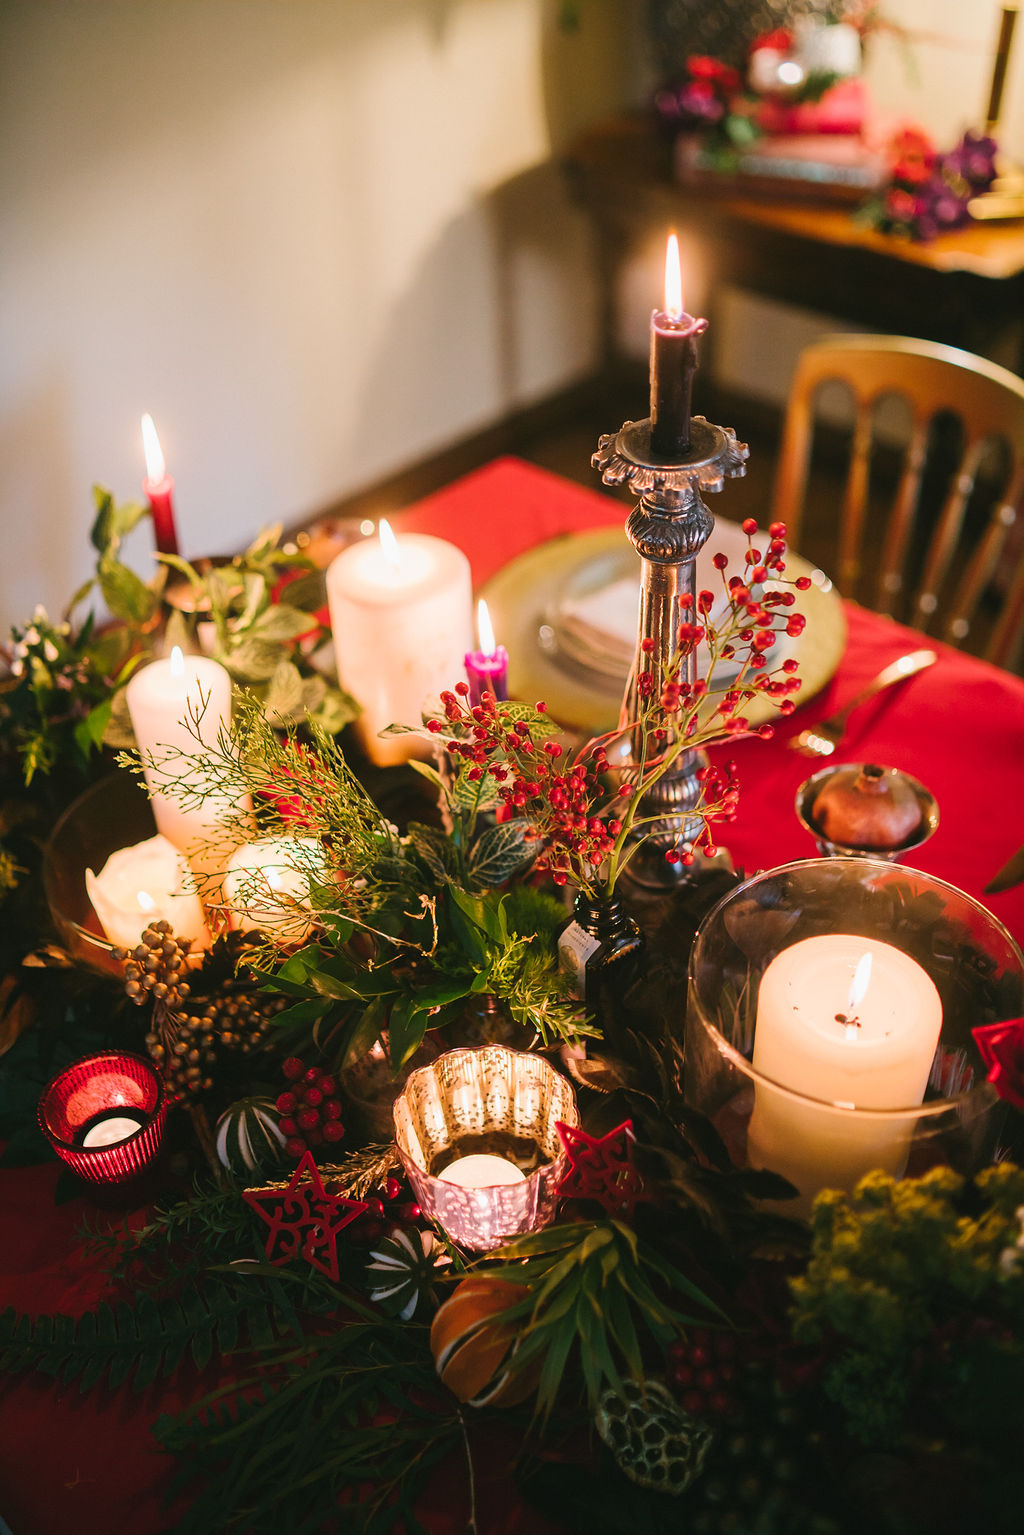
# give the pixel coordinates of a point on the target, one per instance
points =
(249, 1138)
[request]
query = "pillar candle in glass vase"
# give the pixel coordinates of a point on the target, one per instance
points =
(267, 886)
(402, 619)
(150, 882)
(844, 1021)
(179, 704)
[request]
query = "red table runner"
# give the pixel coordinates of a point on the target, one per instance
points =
(87, 1463)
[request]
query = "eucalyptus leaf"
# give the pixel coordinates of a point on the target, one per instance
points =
(126, 594)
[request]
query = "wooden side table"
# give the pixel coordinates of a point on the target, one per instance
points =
(963, 288)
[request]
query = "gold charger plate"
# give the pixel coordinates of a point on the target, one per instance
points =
(545, 607)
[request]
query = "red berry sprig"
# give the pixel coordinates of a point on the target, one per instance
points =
(703, 1368)
(309, 1108)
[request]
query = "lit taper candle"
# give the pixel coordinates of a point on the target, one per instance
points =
(673, 363)
(487, 666)
(158, 488)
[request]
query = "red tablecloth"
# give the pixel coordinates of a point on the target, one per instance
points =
(87, 1463)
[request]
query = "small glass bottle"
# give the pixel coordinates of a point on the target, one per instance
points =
(599, 948)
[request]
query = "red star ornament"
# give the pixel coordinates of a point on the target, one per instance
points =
(304, 1219)
(602, 1168)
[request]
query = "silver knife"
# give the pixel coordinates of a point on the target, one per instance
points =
(1009, 875)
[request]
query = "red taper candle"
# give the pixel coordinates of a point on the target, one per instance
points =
(158, 487)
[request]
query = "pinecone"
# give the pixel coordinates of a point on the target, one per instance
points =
(154, 970)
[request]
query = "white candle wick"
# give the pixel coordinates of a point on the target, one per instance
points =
(673, 280)
(485, 629)
(155, 466)
(389, 544)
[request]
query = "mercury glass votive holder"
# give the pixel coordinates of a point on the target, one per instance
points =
(963, 969)
(490, 1101)
(87, 1110)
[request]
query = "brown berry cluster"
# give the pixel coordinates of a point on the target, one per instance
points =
(154, 969)
(187, 1046)
(309, 1108)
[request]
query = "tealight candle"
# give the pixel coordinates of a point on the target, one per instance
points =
(149, 882)
(401, 615)
(480, 1170)
(178, 705)
(112, 1129)
(487, 666)
(846, 1022)
(159, 489)
(267, 885)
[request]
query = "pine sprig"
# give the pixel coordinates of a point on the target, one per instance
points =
(149, 1341)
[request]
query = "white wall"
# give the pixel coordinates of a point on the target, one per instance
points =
(317, 239)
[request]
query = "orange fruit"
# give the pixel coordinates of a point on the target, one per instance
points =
(472, 1351)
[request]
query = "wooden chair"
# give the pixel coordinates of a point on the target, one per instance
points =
(944, 568)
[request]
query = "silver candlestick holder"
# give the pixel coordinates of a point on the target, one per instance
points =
(668, 527)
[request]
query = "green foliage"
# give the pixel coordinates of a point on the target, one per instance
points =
(352, 1419)
(594, 1293)
(899, 1276)
(148, 1341)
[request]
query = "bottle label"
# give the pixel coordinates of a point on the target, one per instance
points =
(576, 948)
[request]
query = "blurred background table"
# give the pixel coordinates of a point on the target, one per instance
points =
(962, 288)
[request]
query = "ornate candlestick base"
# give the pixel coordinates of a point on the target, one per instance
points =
(667, 528)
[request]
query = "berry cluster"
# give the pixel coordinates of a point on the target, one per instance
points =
(383, 1217)
(153, 970)
(703, 1368)
(582, 812)
(311, 1113)
(186, 1046)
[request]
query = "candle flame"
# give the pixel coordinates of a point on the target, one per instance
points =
(860, 983)
(145, 901)
(484, 629)
(156, 469)
(389, 543)
(177, 662)
(673, 280)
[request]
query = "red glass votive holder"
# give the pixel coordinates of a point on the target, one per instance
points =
(96, 1099)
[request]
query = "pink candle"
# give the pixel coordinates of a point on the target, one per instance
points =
(673, 363)
(487, 666)
(158, 488)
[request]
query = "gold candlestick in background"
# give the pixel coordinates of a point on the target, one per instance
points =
(1005, 197)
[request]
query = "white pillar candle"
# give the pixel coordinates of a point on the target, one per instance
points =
(482, 1171)
(179, 704)
(150, 882)
(849, 1021)
(402, 620)
(267, 886)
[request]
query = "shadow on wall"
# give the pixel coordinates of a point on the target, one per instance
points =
(36, 543)
(515, 267)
